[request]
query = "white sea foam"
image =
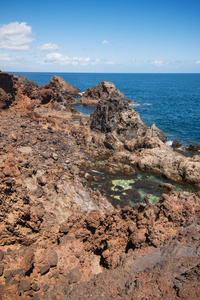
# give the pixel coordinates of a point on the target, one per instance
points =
(135, 104)
(81, 93)
(146, 103)
(169, 143)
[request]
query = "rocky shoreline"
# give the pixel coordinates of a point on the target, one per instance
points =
(60, 239)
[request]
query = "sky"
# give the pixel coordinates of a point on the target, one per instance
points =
(107, 36)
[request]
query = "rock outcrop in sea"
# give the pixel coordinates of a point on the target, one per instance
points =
(92, 96)
(114, 115)
(59, 239)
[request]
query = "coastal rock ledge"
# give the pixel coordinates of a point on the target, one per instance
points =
(61, 240)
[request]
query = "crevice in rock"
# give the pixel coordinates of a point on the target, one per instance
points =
(129, 246)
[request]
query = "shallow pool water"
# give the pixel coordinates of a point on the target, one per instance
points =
(124, 190)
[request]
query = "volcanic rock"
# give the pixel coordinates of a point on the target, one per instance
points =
(176, 144)
(93, 95)
(59, 84)
(59, 239)
(6, 89)
(113, 114)
(194, 147)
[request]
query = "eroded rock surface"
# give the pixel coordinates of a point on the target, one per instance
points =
(113, 114)
(64, 87)
(93, 95)
(61, 240)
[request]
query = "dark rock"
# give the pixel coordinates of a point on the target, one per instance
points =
(37, 297)
(53, 258)
(6, 89)
(74, 276)
(166, 187)
(50, 296)
(1, 255)
(176, 144)
(8, 273)
(24, 285)
(47, 95)
(44, 269)
(146, 199)
(27, 261)
(194, 147)
(20, 272)
(1, 270)
(66, 289)
(5, 99)
(35, 286)
(114, 115)
(45, 287)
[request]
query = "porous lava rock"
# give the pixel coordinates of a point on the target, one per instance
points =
(64, 87)
(6, 89)
(92, 96)
(59, 239)
(113, 114)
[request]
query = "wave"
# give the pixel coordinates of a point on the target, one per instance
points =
(147, 103)
(135, 104)
(169, 143)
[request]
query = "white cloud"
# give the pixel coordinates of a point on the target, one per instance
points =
(198, 62)
(61, 59)
(109, 63)
(157, 63)
(15, 36)
(6, 59)
(49, 47)
(95, 62)
(105, 42)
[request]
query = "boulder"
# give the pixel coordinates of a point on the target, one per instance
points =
(194, 147)
(93, 95)
(176, 144)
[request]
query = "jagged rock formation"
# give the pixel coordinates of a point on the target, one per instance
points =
(61, 240)
(6, 89)
(25, 94)
(113, 114)
(65, 88)
(93, 95)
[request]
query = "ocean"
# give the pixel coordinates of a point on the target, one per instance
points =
(171, 101)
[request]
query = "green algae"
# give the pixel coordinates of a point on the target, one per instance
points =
(124, 184)
(124, 190)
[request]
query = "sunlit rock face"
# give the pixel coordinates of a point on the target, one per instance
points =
(113, 114)
(93, 95)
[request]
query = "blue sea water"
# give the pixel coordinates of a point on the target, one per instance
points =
(171, 101)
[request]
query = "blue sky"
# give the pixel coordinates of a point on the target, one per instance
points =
(142, 36)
